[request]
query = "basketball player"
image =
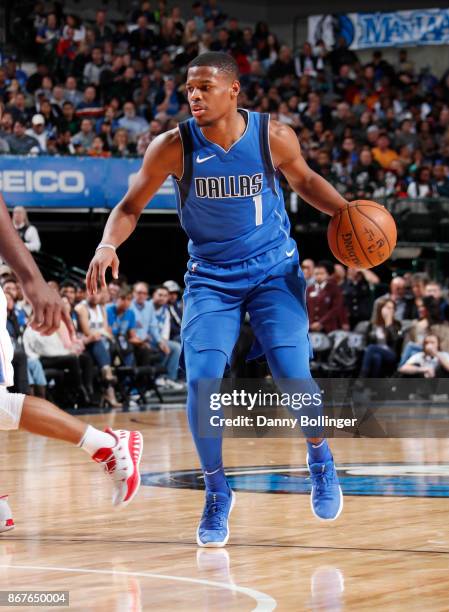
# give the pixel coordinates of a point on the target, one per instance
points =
(226, 162)
(119, 451)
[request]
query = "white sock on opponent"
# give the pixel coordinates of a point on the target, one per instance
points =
(94, 439)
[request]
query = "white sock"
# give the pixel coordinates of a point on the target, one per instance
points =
(95, 439)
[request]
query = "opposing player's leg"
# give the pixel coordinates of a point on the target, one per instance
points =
(6, 520)
(119, 451)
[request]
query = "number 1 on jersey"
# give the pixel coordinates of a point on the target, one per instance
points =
(258, 206)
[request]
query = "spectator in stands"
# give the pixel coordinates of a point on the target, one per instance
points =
(102, 32)
(146, 137)
(325, 304)
(89, 105)
(144, 313)
(68, 291)
(441, 180)
(428, 315)
(114, 287)
(83, 140)
(69, 122)
(357, 296)
(121, 146)
(382, 152)
(47, 39)
(422, 186)
(142, 40)
(19, 142)
(71, 92)
(93, 325)
(38, 131)
(431, 362)
(383, 342)
(175, 309)
(308, 268)
(133, 124)
(26, 231)
(433, 289)
(160, 337)
(122, 321)
(17, 107)
(99, 148)
(404, 304)
(93, 69)
(58, 351)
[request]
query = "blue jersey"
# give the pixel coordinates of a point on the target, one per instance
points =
(229, 202)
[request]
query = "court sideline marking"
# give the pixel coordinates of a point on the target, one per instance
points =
(265, 603)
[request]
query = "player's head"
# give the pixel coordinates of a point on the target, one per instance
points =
(212, 86)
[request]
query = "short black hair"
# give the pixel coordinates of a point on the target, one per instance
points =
(327, 265)
(217, 59)
(68, 284)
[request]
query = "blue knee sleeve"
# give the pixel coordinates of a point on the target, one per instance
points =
(208, 364)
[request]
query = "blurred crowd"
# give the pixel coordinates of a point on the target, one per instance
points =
(375, 130)
(401, 328)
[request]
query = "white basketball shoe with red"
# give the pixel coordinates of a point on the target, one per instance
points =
(6, 520)
(121, 462)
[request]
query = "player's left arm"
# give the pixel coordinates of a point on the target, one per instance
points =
(287, 158)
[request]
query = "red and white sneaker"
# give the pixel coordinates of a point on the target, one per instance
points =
(6, 520)
(122, 464)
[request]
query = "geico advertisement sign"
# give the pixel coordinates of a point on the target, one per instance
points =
(42, 181)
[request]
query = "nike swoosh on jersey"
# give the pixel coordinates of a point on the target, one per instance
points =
(201, 160)
(290, 253)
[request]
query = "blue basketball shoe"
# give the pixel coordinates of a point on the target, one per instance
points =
(326, 498)
(213, 530)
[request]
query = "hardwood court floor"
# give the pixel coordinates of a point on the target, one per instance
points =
(384, 552)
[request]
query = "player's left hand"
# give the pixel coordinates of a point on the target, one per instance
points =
(48, 308)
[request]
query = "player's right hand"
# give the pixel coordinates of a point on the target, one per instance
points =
(96, 275)
(48, 308)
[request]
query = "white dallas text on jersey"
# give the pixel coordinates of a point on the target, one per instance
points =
(229, 186)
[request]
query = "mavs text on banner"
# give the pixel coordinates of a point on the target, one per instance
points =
(396, 29)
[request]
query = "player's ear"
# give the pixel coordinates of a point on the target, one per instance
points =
(235, 89)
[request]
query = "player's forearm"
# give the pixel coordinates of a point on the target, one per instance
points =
(120, 225)
(13, 250)
(315, 190)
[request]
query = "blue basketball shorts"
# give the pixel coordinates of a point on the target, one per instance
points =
(270, 287)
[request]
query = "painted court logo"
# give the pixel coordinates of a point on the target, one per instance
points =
(387, 479)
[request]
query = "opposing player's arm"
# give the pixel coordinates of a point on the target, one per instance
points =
(162, 158)
(48, 309)
(287, 158)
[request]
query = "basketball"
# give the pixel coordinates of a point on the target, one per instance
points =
(362, 234)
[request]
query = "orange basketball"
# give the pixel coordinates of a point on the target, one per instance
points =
(362, 234)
